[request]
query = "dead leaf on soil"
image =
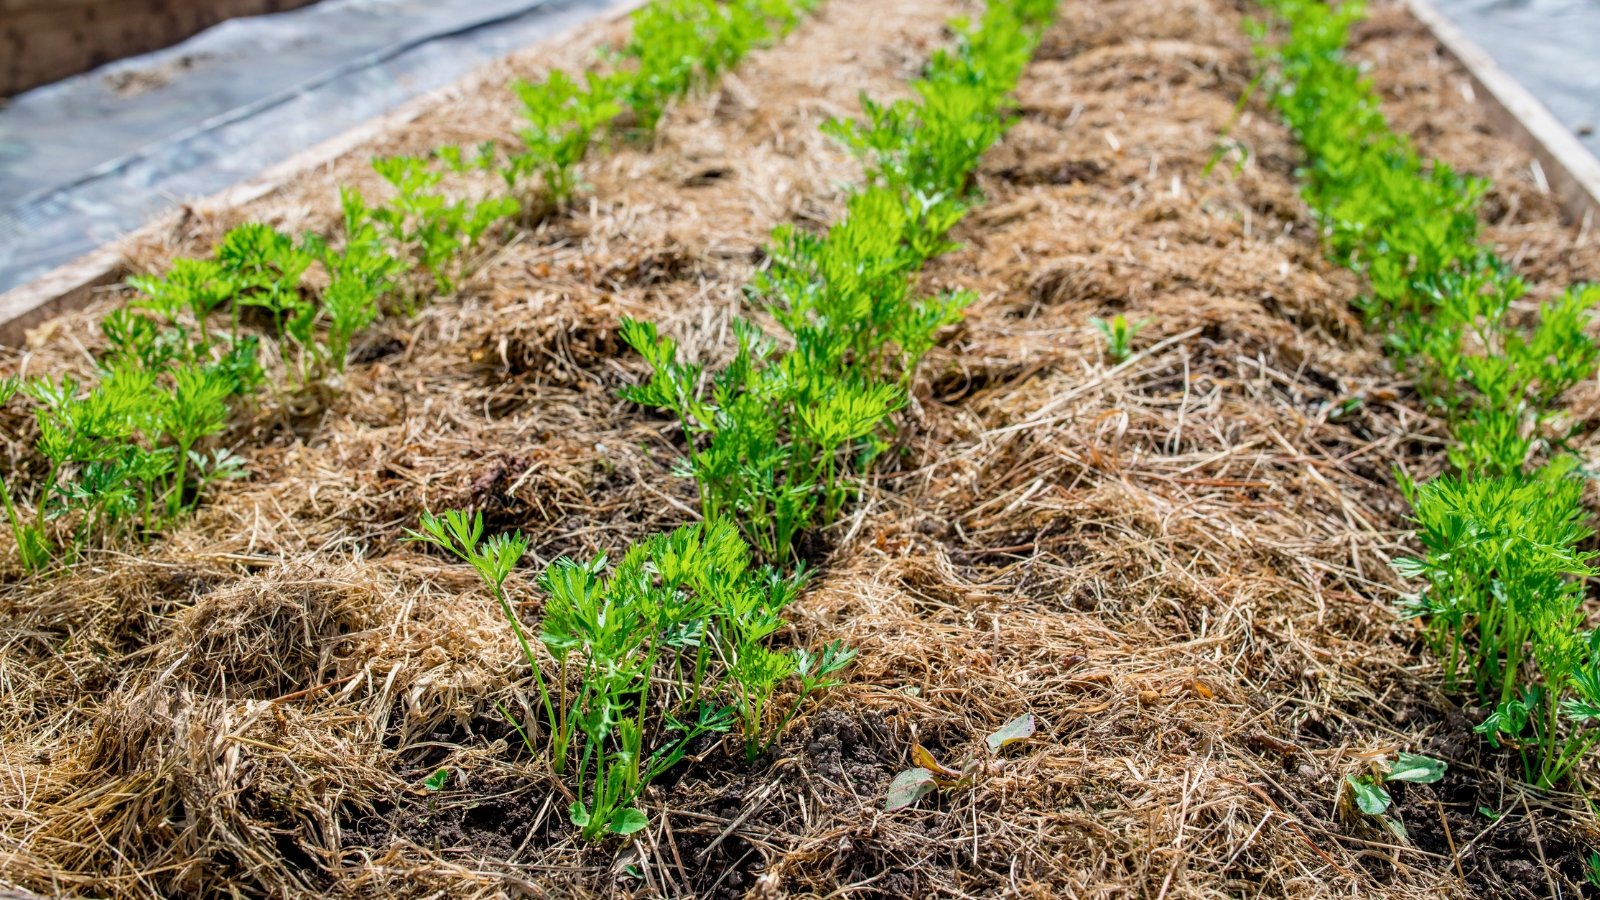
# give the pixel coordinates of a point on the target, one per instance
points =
(907, 788)
(1019, 729)
(944, 775)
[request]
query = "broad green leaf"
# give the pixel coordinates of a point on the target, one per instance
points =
(437, 780)
(1370, 796)
(627, 821)
(907, 788)
(1018, 729)
(580, 816)
(1416, 769)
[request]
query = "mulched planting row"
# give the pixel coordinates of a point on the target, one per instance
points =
(1178, 564)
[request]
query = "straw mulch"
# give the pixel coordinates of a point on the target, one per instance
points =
(1178, 563)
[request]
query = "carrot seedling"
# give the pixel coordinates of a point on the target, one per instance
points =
(669, 646)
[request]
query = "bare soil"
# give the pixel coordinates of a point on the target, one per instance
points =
(1177, 563)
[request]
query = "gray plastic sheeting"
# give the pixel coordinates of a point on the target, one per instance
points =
(1551, 46)
(88, 159)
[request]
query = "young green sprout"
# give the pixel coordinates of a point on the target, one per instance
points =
(125, 457)
(1369, 794)
(1506, 565)
(669, 646)
(32, 550)
(494, 559)
(421, 219)
(1118, 334)
(563, 116)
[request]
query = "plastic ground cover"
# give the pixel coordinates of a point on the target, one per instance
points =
(90, 158)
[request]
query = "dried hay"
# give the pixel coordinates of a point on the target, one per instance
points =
(1177, 563)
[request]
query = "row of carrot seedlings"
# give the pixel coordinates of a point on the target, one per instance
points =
(128, 455)
(1504, 532)
(675, 644)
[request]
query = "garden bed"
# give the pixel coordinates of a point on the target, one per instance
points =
(1177, 563)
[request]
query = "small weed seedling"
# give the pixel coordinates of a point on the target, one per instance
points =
(1369, 794)
(1118, 334)
(438, 781)
(929, 774)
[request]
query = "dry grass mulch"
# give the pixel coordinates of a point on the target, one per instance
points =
(1177, 563)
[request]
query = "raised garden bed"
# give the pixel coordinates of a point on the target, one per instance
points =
(47, 40)
(1177, 560)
